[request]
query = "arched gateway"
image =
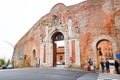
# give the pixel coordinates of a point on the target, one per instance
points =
(104, 47)
(48, 56)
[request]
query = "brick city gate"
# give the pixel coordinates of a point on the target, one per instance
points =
(48, 56)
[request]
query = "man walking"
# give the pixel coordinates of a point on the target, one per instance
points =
(117, 66)
(102, 64)
(107, 64)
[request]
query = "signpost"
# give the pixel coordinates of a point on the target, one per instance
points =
(20, 57)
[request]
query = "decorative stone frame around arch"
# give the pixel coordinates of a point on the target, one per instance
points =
(48, 51)
(94, 43)
(46, 47)
(50, 47)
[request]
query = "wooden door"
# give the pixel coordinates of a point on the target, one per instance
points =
(54, 54)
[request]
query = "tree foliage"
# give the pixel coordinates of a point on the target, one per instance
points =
(2, 61)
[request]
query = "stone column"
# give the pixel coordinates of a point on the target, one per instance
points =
(77, 52)
(47, 46)
(41, 54)
(67, 53)
(49, 54)
(46, 32)
(70, 28)
(50, 59)
(70, 36)
(70, 49)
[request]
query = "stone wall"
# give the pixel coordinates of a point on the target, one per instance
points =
(86, 23)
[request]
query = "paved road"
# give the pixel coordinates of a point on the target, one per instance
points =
(40, 74)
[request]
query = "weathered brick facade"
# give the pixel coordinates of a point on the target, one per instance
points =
(84, 26)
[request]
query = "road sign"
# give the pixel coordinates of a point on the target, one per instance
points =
(118, 55)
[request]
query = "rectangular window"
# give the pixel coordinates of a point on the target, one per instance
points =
(61, 58)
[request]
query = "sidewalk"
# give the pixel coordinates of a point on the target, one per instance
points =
(100, 76)
(107, 76)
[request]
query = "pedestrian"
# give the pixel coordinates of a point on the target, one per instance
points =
(91, 64)
(102, 64)
(116, 66)
(107, 64)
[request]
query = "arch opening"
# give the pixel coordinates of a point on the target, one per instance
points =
(104, 51)
(58, 49)
(95, 47)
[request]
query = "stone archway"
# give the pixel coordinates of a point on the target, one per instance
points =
(96, 41)
(104, 51)
(58, 36)
(50, 47)
(47, 46)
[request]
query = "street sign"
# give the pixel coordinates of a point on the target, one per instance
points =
(118, 55)
(20, 57)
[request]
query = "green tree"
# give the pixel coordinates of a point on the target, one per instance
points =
(2, 61)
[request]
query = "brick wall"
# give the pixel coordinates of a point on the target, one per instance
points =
(94, 18)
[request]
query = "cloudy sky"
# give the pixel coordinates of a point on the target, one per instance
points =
(18, 16)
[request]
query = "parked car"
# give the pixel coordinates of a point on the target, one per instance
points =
(10, 66)
(59, 63)
(4, 67)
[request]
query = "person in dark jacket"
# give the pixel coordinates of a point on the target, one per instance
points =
(91, 64)
(102, 65)
(116, 66)
(107, 64)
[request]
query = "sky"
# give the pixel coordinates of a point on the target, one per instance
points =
(18, 16)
